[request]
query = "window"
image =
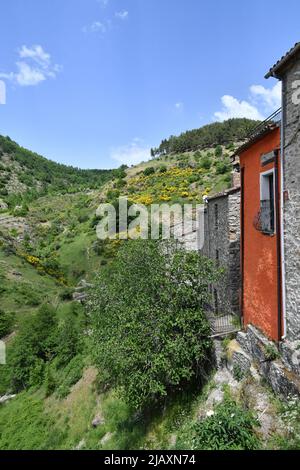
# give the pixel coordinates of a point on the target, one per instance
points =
(267, 202)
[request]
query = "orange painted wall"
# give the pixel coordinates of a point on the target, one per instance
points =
(260, 274)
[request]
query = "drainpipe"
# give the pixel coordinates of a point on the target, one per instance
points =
(282, 216)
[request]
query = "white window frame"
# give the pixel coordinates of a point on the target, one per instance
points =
(261, 176)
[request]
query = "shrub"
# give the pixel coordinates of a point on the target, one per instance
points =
(83, 218)
(71, 374)
(112, 194)
(218, 151)
(149, 171)
(66, 294)
(149, 331)
(68, 340)
(162, 169)
(99, 247)
(230, 427)
(6, 323)
(120, 183)
(290, 415)
(193, 179)
(222, 168)
(35, 341)
(205, 163)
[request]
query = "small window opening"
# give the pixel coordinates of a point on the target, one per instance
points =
(267, 204)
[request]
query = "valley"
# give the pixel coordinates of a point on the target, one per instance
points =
(50, 258)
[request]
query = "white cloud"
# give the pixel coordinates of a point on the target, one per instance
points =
(122, 15)
(36, 53)
(262, 102)
(131, 154)
(103, 3)
(179, 105)
(96, 27)
(233, 108)
(34, 68)
(2, 92)
(268, 98)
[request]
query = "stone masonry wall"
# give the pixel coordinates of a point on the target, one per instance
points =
(291, 116)
(222, 244)
(234, 203)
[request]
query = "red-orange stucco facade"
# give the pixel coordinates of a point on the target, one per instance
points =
(261, 263)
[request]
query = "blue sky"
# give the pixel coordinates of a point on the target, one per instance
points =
(96, 83)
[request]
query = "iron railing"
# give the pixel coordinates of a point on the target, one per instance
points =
(274, 119)
(267, 216)
(223, 324)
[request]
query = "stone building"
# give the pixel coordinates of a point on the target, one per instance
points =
(287, 69)
(222, 244)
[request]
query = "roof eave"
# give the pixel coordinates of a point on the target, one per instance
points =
(254, 140)
(278, 69)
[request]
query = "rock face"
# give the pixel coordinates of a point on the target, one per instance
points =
(282, 381)
(238, 359)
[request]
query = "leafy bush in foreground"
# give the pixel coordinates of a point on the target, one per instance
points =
(149, 331)
(230, 427)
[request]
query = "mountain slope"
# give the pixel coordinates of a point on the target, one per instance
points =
(210, 135)
(25, 175)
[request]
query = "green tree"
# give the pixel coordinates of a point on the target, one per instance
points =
(68, 340)
(150, 334)
(222, 168)
(205, 162)
(35, 343)
(219, 151)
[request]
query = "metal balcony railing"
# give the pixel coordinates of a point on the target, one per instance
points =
(222, 324)
(274, 119)
(267, 216)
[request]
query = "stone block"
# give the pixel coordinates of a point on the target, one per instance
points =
(242, 361)
(259, 345)
(242, 339)
(282, 381)
(290, 353)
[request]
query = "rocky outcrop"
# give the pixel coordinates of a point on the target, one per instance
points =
(98, 420)
(80, 293)
(6, 398)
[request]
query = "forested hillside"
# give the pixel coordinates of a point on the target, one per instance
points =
(211, 135)
(25, 175)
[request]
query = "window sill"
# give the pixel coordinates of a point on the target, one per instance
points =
(268, 234)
